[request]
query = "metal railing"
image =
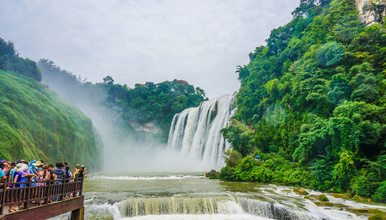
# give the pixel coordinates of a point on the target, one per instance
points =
(32, 193)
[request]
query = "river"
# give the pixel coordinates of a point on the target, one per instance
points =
(192, 196)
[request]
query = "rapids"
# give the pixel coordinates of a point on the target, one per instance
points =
(192, 196)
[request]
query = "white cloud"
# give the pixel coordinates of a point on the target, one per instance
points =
(134, 41)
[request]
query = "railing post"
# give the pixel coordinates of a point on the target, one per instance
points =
(81, 186)
(26, 204)
(48, 191)
(63, 189)
(3, 199)
(76, 183)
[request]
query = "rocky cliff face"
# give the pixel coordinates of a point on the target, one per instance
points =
(149, 127)
(371, 11)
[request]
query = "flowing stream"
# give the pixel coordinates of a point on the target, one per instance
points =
(193, 196)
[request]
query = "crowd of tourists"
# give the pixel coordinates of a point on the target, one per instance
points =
(21, 171)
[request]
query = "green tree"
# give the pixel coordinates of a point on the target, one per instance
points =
(240, 137)
(11, 61)
(108, 80)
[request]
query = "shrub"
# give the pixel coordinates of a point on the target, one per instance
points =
(227, 174)
(380, 194)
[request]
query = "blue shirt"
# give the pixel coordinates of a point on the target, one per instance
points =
(1, 174)
(12, 173)
(21, 179)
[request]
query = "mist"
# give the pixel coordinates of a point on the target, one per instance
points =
(123, 151)
(149, 157)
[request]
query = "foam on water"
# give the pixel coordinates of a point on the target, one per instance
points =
(199, 217)
(102, 211)
(225, 207)
(353, 204)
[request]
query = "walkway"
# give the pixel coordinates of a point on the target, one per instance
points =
(42, 199)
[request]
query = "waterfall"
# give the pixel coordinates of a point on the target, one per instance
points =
(209, 206)
(173, 205)
(272, 210)
(196, 131)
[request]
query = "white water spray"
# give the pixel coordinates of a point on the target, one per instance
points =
(196, 131)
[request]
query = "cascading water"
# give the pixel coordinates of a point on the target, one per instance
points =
(196, 131)
(174, 206)
(225, 205)
(196, 197)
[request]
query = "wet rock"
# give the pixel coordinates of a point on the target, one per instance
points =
(300, 191)
(359, 199)
(323, 198)
(328, 204)
(341, 196)
(377, 217)
(213, 174)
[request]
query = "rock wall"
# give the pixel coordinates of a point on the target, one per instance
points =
(371, 11)
(149, 127)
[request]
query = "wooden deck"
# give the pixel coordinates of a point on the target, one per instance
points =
(42, 199)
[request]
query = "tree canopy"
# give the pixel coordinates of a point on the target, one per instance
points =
(11, 61)
(149, 102)
(313, 100)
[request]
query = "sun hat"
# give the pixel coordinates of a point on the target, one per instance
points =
(82, 166)
(38, 163)
(21, 167)
(77, 165)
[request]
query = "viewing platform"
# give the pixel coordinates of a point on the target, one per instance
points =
(42, 199)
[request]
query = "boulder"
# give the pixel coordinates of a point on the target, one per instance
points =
(300, 191)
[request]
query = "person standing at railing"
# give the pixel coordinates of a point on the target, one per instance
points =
(52, 173)
(51, 176)
(2, 175)
(44, 174)
(34, 168)
(76, 171)
(22, 174)
(13, 207)
(12, 172)
(68, 174)
(82, 172)
(59, 172)
(19, 172)
(67, 171)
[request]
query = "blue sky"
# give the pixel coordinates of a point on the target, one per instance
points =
(201, 41)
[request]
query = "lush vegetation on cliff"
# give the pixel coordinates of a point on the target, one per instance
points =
(312, 105)
(11, 61)
(35, 123)
(149, 102)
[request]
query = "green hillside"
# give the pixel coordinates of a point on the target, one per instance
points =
(36, 124)
(312, 104)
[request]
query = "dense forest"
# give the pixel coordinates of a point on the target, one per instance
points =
(35, 124)
(127, 108)
(311, 110)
